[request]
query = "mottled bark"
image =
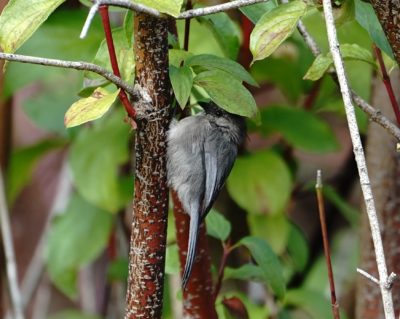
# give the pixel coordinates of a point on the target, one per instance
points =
(148, 238)
(388, 12)
(384, 167)
(198, 297)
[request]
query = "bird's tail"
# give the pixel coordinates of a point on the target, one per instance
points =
(191, 250)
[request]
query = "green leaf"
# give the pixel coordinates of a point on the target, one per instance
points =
(272, 228)
(22, 163)
(300, 128)
(76, 238)
(256, 11)
(268, 262)
(72, 314)
(95, 157)
(211, 62)
(91, 108)
(366, 17)
(349, 52)
(260, 183)
(182, 82)
(176, 57)
(226, 32)
(274, 27)
(311, 302)
(19, 20)
(171, 7)
(217, 225)
(245, 272)
(297, 247)
(227, 92)
(172, 260)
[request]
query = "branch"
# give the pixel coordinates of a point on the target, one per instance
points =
(77, 65)
(360, 159)
(192, 13)
(11, 266)
(217, 8)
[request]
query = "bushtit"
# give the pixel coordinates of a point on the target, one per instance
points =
(201, 152)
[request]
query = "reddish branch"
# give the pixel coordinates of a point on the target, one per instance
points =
(198, 301)
(388, 84)
(113, 58)
(388, 12)
(148, 239)
(321, 208)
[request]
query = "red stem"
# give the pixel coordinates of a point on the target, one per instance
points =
(312, 96)
(226, 252)
(113, 58)
(321, 208)
(388, 84)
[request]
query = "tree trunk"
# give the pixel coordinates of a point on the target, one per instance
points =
(388, 12)
(148, 239)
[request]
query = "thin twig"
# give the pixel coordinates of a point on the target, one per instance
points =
(77, 65)
(374, 114)
(113, 59)
(217, 8)
(388, 84)
(360, 159)
(11, 266)
(322, 218)
(368, 276)
(225, 254)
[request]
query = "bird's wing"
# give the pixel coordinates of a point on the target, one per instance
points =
(219, 157)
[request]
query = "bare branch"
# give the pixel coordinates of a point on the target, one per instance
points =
(217, 8)
(77, 65)
(360, 159)
(11, 266)
(368, 276)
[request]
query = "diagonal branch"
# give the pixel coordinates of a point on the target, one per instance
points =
(77, 65)
(360, 160)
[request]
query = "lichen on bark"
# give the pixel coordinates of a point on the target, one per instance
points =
(148, 238)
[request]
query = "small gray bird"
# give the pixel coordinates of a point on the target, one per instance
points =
(201, 152)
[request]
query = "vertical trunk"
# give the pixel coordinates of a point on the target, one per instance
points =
(198, 297)
(148, 238)
(384, 166)
(388, 12)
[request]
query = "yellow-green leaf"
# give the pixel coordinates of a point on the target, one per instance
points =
(349, 52)
(20, 19)
(171, 7)
(90, 108)
(274, 27)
